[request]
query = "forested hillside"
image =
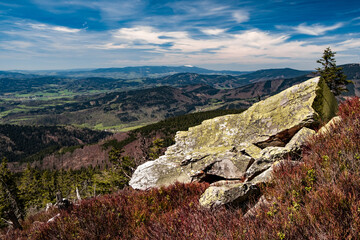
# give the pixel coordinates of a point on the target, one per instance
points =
(30, 143)
(141, 145)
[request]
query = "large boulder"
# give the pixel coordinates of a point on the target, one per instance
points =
(226, 147)
(231, 193)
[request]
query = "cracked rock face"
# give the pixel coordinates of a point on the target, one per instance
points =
(239, 146)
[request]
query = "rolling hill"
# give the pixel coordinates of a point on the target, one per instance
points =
(106, 103)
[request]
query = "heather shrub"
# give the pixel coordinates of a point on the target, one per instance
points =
(318, 199)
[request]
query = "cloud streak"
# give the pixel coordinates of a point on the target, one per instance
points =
(54, 28)
(316, 29)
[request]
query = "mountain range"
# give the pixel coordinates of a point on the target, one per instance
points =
(132, 72)
(152, 72)
(47, 84)
(107, 103)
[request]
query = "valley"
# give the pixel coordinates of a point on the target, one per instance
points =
(119, 105)
(118, 114)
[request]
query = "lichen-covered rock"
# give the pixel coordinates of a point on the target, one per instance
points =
(298, 140)
(325, 130)
(269, 155)
(238, 194)
(268, 175)
(229, 194)
(226, 147)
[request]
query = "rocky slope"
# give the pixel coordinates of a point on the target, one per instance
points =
(241, 146)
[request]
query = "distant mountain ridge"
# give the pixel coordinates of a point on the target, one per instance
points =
(270, 74)
(351, 70)
(166, 69)
(15, 75)
(161, 71)
(227, 81)
(134, 72)
(71, 83)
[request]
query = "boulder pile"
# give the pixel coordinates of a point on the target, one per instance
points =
(236, 153)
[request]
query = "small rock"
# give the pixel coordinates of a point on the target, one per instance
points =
(53, 218)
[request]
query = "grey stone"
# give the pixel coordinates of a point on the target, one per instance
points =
(229, 146)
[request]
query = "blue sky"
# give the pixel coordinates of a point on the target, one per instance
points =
(227, 34)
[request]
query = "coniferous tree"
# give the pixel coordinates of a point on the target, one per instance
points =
(124, 164)
(156, 148)
(11, 207)
(333, 75)
(29, 187)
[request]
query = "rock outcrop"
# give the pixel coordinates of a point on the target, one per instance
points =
(241, 146)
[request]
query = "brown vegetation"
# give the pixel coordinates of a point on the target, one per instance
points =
(319, 199)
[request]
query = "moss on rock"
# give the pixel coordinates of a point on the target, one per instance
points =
(226, 146)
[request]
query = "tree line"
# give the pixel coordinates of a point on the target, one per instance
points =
(27, 192)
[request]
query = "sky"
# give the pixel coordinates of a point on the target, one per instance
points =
(228, 34)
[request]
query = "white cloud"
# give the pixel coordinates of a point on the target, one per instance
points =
(16, 45)
(149, 45)
(351, 43)
(245, 46)
(65, 29)
(40, 26)
(213, 31)
(241, 16)
(109, 46)
(316, 29)
(147, 35)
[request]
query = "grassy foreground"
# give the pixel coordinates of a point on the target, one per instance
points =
(319, 199)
